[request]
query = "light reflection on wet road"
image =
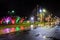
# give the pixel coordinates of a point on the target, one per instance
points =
(35, 34)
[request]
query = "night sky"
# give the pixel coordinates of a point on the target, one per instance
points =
(25, 7)
(52, 5)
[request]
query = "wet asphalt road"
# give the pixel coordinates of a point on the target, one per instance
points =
(35, 34)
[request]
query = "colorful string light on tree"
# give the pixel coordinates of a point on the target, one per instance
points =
(13, 21)
(22, 20)
(17, 20)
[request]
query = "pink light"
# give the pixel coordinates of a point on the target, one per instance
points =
(13, 21)
(7, 21)
(22, 20)
(7, 30)
(1, 21)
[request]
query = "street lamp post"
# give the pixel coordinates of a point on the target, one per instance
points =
(32, 22)
(42, 14)
(32, 19)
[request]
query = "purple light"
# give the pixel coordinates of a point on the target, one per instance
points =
(7, 30)
(7, 19)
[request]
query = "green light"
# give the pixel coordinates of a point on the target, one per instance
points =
(17, 28)
(17, 20)
(13, 11)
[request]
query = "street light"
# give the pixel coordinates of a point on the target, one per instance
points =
(32, 21)
(32, 27)
(42, 14)
(32, 18)
(40, 10)
(44, 10)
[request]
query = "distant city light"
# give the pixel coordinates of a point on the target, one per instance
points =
(32, 27)
(40, 10)
(32, 19)
(28, 21)
(13, 11)
(44, 10)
